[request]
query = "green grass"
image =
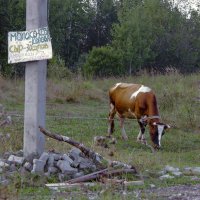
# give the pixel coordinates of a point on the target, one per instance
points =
(79, 110)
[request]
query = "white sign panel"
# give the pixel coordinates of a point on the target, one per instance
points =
(29, 45)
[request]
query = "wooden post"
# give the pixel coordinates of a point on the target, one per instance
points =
(35, 84)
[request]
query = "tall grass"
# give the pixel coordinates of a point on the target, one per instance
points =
(78, 108)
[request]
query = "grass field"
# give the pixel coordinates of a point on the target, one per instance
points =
(78, 108)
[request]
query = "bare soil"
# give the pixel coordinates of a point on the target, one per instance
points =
(181, 192)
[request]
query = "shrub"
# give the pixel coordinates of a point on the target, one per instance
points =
(103, 62)
(57, 69)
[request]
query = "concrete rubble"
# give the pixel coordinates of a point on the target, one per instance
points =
(71, 165)
(65, 166)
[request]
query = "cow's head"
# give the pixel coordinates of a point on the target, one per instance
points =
(157, 130)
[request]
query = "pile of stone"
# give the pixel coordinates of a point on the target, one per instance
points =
(65, 166)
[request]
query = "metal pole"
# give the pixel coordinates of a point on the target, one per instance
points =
(35, 84)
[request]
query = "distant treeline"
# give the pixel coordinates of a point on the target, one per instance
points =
(110, 37)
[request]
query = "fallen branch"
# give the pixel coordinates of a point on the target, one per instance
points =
(88, 177)
(100, 174)
(96, 158)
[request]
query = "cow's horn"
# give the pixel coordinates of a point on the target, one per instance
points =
(168, 126)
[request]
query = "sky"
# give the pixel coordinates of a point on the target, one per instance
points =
(185, 5)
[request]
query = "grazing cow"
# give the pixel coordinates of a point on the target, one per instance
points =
(139, 102)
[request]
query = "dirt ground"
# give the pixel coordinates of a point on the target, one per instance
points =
(183, 192)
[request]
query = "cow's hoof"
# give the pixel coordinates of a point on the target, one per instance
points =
(142, 141)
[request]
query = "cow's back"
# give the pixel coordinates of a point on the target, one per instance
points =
(121, 92)
(133, 100)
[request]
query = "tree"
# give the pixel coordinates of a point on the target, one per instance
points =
(68, 23)
(12, 15)
(154, 34)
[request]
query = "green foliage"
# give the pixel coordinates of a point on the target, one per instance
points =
(153, 34)
(103, 61)
(12, 15)
(57, 69)
(137, 31)
(149, 34)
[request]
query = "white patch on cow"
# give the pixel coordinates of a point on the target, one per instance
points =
(139, 136)
(160, 131)
(143, 89)
(124, 136)
(116, 85)
(111, 107)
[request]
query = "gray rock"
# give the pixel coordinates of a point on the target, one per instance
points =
(57, 156)
(1, 170)
(9, 120)
(65, 167)
(16, 160)
(162, 172)
(191, 170)
(187, 169)
(4, 182)
(177, 174)
(61, 177)
(6, 155)
(87, 164)
(52, 170)
(195, 178)
(75, 153)
(100, 141)
(31, 157)
(152, 186)
(19, 153)
(3, 164)
(196, 170)
(13, 168)
(171, 169)
(166, 176)
(28, 166)
(50, 161)
(44, 157)
(98, 158)
(8, 136)
(67, 158)
(79, 174)
(38, 166)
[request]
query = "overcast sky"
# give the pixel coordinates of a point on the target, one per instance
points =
(187, 4)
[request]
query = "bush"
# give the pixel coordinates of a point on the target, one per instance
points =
(57, 69)
(103, 62)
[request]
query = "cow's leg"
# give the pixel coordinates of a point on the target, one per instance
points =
(111, 124)
(141, 136)
(124, 136)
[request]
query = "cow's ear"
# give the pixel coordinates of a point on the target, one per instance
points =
(167, 126)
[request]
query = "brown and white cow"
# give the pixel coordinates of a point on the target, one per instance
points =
(139, 102)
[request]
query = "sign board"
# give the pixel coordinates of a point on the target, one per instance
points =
(29, 45)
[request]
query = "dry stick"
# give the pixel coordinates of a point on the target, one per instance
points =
(103, 173)
(88, 152)
(88, 177)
